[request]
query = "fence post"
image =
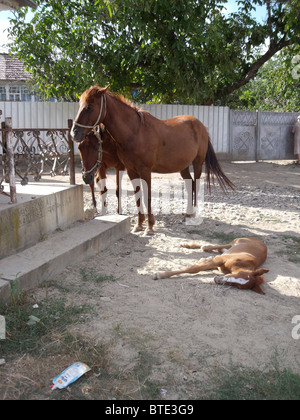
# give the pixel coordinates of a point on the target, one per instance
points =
(230, 134)
(3, 143)
(257, 132)
(71, 154)
(10, 152)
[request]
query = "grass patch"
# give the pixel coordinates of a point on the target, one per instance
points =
(94, 276)
(136, 381)
(220, 237)
(271, 219)
(125, 366)
(239, 383)
(23, 338)
(35, 354)
(292, 248)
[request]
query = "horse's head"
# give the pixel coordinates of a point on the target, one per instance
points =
(90, 151)
(92, 111)
(244, 280)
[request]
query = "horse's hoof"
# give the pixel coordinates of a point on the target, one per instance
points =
(206, 248)
(220, 279)
(185, 245)
(189, 215)
(156, 276)
(137, 229)
(148, 232)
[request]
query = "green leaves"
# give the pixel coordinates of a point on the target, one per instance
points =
(184, 51)
(274, 89)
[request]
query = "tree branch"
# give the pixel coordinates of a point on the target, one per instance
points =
(252, 70)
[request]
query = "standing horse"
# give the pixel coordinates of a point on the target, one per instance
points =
(146, 144)
(98, 153)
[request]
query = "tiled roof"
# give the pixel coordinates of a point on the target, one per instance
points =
(12, 69)
(16, 4)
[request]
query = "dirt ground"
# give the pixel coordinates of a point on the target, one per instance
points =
(179, 329)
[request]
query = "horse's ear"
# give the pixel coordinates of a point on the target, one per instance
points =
(103, 90)
(260, 272)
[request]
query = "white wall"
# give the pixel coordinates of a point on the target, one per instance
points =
(56, 115)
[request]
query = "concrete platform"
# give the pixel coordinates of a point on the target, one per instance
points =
(42, 208)
(47, 259)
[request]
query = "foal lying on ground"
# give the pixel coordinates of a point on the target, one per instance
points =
(240, 260)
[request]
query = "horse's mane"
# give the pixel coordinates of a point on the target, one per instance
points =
(94, 90)
(121, 98)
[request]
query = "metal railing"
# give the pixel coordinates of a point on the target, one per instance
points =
(35, 152)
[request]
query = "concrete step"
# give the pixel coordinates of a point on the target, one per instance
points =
(47, 259)
(42, 208)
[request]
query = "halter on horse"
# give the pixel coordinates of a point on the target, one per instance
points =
(103, 102)
(88, 174)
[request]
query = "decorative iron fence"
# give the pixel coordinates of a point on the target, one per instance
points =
(37, 152)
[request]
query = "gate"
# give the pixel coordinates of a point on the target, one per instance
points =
(259, 135)
(275, 137)
(243, 134)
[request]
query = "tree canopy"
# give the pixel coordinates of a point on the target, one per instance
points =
(186, 51)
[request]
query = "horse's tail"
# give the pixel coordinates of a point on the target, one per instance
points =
(213, 169)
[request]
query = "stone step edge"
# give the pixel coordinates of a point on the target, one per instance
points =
(45, 260)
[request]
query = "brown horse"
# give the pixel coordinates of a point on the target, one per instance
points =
(98, 153)
(146, 144)
(240, 260)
